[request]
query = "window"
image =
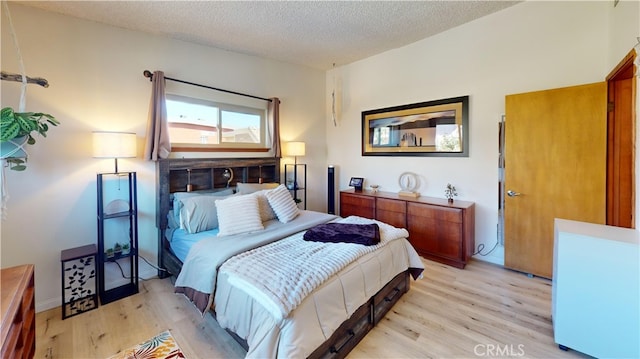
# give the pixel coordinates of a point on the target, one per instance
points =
(197, 124)
(381, 136)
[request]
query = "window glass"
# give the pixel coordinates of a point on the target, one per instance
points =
(240, 127)
(199, 123)
(381, 136)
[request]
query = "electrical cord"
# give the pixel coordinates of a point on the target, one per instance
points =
(153, 265)
(143, 279)
(481, 247)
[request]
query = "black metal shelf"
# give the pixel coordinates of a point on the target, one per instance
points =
(117, 256)
(116, 215)
(295, 176)
(111, 295)
(130, 288)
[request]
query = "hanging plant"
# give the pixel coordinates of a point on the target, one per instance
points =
(17, 129)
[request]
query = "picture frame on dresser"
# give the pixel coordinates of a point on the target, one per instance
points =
(432, 128)
(356, 183)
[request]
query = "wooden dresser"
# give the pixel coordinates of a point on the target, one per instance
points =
(438, 230)
(18, 312)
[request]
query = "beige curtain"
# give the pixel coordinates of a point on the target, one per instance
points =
(157, 143)
(273, 114)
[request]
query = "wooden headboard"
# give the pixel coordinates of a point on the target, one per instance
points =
(174, 174)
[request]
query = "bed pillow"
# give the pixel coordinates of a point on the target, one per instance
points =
(282, 203)
(178, 197)
(266, 212)
(171, 220)
(247, 188)
(238, 214)
(198, 213)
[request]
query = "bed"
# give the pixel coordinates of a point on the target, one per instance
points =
(225, 274)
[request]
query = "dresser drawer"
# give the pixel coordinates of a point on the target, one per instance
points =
(437, 213)
(392, 212)
(391, 205)
(355, 205)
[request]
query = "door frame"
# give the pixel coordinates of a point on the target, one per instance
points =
(617, 187)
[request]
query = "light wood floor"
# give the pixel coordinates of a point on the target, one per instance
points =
(481, 311)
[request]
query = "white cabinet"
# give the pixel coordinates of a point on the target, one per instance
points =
(596, 289)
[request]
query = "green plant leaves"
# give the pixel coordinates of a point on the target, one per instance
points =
(19, 124)
(10, 132)
(17, 164)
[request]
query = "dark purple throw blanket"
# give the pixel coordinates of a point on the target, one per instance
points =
(365, 234)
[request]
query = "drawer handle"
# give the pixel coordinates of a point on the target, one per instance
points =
(396, 290)
(351, 336)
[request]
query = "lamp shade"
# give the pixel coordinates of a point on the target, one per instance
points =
(295, 148)
(114, 145)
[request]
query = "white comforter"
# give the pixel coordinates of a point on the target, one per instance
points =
(319, 314)
(281, 274)
(200, 268)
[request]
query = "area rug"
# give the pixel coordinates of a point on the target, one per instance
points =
(162, 346)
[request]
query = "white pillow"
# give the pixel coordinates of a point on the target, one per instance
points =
(246, 188)
(282, 203)
(238, 214)
(198, 213)
(178, 197)
(266, 212)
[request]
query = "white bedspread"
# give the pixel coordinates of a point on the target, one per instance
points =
(199, 270)
(319, 314)
(281, 274)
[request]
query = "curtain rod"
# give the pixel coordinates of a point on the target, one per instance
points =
(149, 74)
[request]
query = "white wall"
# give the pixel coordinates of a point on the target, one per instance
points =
(624, 30)
(96, 83)
(530, 46)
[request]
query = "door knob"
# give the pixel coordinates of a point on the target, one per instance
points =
(511, 193)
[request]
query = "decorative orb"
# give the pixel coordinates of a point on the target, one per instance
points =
(408, 181)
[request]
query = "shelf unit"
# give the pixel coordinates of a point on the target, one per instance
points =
(295, 176)
(121, 211)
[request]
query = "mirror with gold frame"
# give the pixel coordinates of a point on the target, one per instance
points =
(433, 128)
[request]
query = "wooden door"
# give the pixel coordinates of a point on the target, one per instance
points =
(555, 167)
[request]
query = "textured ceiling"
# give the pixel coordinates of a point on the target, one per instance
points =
(312, 33)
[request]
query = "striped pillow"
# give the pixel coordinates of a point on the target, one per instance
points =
(282, 204)
(266, 212)
(238, 214)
